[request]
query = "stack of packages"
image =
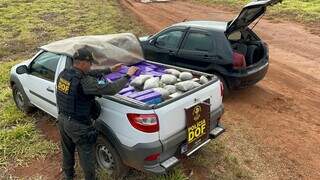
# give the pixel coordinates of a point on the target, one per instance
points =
(153, 84)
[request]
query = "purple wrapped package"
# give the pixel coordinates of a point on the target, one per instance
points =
(154, 73)
(113, 76)
(141, 93)
(149, 97)
(124, 69)
(125, 90)
(127, 93)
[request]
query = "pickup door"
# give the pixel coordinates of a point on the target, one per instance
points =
(172, 117)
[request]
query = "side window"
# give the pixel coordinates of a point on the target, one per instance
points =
(169, 40)
(45, 65)
(198, 42)
(69, 62)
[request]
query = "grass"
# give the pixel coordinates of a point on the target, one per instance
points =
(299, 10)
(28, 24)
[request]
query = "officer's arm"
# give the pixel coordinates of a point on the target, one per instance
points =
(91, 86)
(99, 72)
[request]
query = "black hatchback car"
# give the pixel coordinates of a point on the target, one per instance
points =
(231, 50)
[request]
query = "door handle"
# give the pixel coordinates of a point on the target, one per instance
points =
(50, 90)
(171, 52)
(206, 57)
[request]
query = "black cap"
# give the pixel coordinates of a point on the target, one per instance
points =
(83, 54)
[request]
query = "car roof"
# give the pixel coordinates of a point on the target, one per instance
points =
(213, 25)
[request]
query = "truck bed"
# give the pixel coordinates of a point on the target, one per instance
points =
(143, 106)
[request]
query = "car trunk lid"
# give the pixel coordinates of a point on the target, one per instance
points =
(249, 14)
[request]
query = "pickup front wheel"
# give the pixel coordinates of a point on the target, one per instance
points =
(109, 160)
(21, 100)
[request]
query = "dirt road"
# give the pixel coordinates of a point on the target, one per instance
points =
(273, 127)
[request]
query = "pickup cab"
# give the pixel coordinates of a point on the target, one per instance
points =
(147, 137)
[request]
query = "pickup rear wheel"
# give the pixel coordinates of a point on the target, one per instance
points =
(21, 100)
(108, 159)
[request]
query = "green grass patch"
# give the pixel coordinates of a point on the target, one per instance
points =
(26, 25)
(22, 143)
(300, 10)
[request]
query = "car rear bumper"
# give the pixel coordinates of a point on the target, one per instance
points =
(249, 77)
(169, 149)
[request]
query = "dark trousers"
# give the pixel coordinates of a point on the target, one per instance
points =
(80, 136)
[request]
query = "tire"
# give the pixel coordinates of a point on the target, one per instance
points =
(109, 160)
(226, 89)
(21, 100)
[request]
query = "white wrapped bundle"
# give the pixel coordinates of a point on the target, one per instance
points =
(203, 80)
(195, 84)
(173, 72)
(185, 76)
(178, 93)
(168, 79)
(171, 88)
(152, 83)
(185, 85)
(139, 81)
(164, 93)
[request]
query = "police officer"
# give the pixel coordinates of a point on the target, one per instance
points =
(76, 91)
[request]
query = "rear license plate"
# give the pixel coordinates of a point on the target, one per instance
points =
(198, 126)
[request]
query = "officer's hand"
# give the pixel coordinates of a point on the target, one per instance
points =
(132, 70)
(116, 67)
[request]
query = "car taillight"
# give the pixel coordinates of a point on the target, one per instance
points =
(239, 60)
(152, 157)
(221, 88)
(144, 122)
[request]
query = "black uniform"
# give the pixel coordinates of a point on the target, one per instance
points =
(76, 93)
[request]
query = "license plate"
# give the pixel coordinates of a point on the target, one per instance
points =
(198, 126)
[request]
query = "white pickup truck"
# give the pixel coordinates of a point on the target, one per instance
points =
(146, 137)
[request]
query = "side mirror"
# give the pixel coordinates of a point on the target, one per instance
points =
(22, 69)
(152, 41)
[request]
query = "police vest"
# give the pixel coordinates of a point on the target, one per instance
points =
(71, 99)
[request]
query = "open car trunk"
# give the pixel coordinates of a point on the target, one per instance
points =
(249, 45)
(243, 40)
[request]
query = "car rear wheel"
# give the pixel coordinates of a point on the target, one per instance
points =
(109, 160)
(21, 100)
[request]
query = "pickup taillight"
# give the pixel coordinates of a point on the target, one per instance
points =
(221, 89)
(148, 123)
(239, 60)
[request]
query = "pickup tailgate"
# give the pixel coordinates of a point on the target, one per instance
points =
(172, 117)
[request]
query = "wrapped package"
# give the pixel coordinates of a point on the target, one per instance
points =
(140, 93)
(176, 94)
(168, 79)
(127, 89)
(185, 85)
(203, 80)
(185, 76)
(171, 88)
(196, 84)
(139, 81)
(151, 98)
(152, 83)
(173, 72)
(164, 93)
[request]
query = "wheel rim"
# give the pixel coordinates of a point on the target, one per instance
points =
(104, 158)
(19, 99)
